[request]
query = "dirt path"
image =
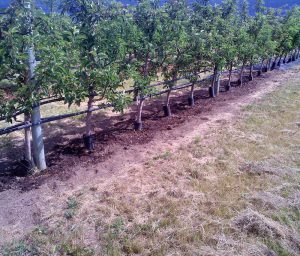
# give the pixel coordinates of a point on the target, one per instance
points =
(35, 200)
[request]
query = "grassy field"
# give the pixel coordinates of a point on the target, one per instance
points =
(232, 191)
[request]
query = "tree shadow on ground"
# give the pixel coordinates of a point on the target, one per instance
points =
(64, 138)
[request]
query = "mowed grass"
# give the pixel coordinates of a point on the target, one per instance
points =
(187, 201)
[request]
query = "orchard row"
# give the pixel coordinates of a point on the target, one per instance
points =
(91, 51)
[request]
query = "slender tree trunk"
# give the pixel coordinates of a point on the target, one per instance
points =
(289, 58)
(167, 109)
(138, 126)
(266, 66)
(218, 81)
(265, 69)
(269, 64)
(228, 86)
(274, 64)
(191, 99)
(37, 139)
(251, 72)
(88, 128)
(284, 59)
(242, 73)
(279, 61)
(261, 68)
(294, 55)
(27, 141)
(87, 137)
(135, 94)
(212, 91)
(37, 134)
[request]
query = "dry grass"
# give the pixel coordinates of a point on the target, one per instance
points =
(232, 191)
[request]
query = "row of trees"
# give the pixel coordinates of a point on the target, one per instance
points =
(87, 50)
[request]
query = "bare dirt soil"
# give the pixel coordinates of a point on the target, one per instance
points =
(114, 133)
(121, 154)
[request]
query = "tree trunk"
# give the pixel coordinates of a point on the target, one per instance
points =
(228, 86)
(87, 137)
(274, 64)
(37, 135)
(217, 86)
(212, 91)
(284, 59)
(167, 109)
(294, 55)
(27, 143)
(251, 72)
(138, 125)
(269, 64)
(288, 58)
(242, 74)
(265, 68)
(261, 68)
(88, 128)
(37, 140)
(191, 99)
(279, 61)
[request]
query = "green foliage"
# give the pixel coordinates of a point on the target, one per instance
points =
(72, 206)
(277, 248)
(20, 29)
(174, 44)
(19, 249)
(100, 66)
(93, 48)
(146, 33)
(75, 250)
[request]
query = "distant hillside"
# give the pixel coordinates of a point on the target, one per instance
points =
(269, 3)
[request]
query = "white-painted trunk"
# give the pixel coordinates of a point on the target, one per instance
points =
(37, 136)
(88, 121)
(27, 140)
(192, 91)
(37, 140)
(139, 112)
(218, 81)
(168, 98)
